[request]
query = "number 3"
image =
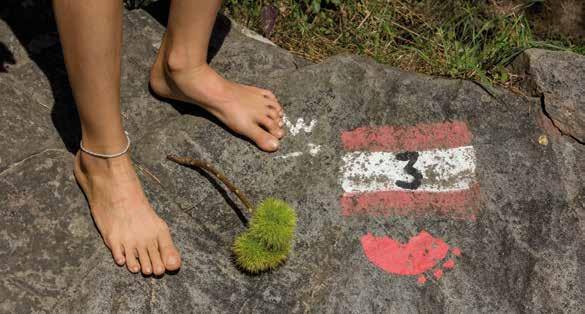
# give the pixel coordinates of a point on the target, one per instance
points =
(411, 157)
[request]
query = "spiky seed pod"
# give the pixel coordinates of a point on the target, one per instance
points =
(269, 240)
(273, 224)
(254, 257)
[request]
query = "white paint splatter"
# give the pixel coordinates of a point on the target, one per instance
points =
(442, 169)
(314, 149)
(299, 126)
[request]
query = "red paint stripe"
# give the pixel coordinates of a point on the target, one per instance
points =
(410, 138)
(463, 204)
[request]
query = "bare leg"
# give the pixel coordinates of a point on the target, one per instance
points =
(91, 36)
(182, 73)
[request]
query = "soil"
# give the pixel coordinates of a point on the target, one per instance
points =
(559, 19)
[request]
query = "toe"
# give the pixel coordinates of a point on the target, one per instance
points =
(273, 114)
(271, 126)
(117, 253)
(274, 105)
(263, 139)
(268, 94)
(144, 259)
(131, 261)
(168, 252)
(158, 267)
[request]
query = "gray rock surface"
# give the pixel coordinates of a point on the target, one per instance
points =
(523, 236)
(523, 252)
(44, 244)
(26, 126)
(559, 78)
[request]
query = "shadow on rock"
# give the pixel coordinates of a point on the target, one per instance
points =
(35, 28)
(6, 58)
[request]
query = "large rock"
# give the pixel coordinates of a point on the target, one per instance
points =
(520, 252)
(558, 77)
(496, 223)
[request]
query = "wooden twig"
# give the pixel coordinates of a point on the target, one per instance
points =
(190, 162)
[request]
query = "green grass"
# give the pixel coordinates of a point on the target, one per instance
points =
(452, 38)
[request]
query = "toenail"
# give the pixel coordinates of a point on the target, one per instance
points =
(280, 123)
(274, 144)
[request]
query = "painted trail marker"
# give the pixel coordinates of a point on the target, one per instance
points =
(426, 169)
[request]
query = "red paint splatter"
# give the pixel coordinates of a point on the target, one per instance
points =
(421, 253)
(456, 251)
(449, 264)
(438, 273)
(463, 204)
(410, 138)
(421, 279)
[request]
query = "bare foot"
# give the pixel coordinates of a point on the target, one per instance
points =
(250, 111)
(130, 228)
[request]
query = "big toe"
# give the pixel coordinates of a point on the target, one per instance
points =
(168, 252)
(264, 140)
(117, 251)
(171, 258)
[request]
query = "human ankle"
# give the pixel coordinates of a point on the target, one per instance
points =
(111, 143)
(96, 167)
(178, 60)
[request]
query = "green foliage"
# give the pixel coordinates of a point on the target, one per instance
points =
(457, 38)
(315, 5)
(472, 45)
(268, 240)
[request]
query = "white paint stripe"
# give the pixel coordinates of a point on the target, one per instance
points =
(299, 126)
(293, 154)
(442, 169)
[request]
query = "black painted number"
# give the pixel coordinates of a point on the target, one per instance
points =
(417, 176)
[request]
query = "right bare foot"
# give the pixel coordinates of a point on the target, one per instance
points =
(130, 228)
(247, 110)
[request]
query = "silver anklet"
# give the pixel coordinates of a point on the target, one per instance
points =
(89, 152)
